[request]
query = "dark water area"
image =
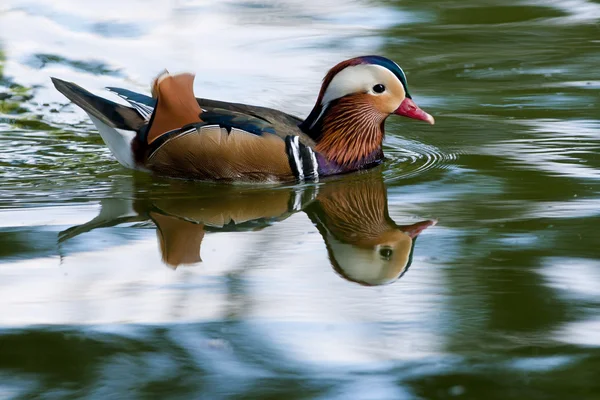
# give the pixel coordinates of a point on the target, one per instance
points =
(116, 284)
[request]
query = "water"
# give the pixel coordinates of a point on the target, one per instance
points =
(103, 291)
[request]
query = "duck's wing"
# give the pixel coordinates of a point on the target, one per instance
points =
(185, 141)
(283, 123)
(143, 104)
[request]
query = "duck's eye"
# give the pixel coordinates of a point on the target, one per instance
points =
(379, 88)
(386, 253)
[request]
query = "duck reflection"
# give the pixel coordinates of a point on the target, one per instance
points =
(182, 223)
(363, 243)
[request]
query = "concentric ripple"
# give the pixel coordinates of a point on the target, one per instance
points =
(410, 158)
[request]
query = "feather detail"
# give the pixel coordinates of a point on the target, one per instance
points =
(352, 132)
(136, 100)
(333, 72)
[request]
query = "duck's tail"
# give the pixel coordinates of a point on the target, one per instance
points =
(117, 124)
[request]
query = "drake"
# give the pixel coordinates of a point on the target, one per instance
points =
(177, 135)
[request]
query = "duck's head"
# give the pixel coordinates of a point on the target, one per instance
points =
(356, 97)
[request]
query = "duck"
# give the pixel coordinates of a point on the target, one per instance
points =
(364, 245)
(174, 134)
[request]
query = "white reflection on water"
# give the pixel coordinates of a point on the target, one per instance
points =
(576, 208)
(559, 148)
(578, 280)
(582, 333)
(578, 11)
(573, 277)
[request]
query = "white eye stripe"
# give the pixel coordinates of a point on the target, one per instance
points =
(356, 79)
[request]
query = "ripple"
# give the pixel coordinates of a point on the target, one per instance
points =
(54, 165)
(410, 158)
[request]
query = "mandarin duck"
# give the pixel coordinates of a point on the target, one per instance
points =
(177, 135)
(363, 243)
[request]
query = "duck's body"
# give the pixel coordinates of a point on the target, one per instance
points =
(178, 135)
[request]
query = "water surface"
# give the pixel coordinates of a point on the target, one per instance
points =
(120, 284)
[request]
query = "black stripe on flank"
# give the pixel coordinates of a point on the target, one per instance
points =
(289, 144)
(309, 163)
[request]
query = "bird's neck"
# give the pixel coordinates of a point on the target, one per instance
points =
(348, 134)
